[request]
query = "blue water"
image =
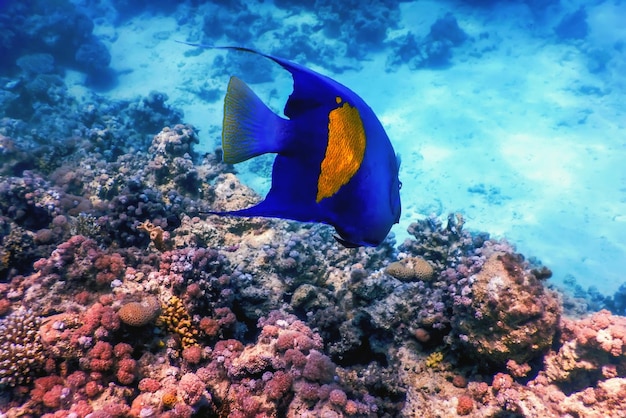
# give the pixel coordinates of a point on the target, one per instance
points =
(509, 112)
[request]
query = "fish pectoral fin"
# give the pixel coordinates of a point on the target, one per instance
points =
(250, 128)
(345, 243)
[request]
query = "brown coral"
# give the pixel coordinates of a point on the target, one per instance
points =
(512, 316)
(138, 314)
(20, 348)
(157, 235)
(411, 268)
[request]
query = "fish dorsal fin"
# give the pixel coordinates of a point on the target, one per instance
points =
(309, 89)
(308, 85)
(250, 128)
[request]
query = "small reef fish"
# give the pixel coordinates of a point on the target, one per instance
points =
(334, 163)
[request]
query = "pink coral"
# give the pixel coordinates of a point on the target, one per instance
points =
(180, 410)
(287, 374)
(116, 409)
(278, 386)
(97, 320)
(126, 371)
(308, 391)
(82, 297)
(52, 398)
(77, 379)
(122, 350)
(109, 267)
(193, 354)
(338, 397)
(590, 346)
(109, 319)
(465, 405)
(501, 381)
(351, 408)
(192, 388)
(81, 408)
(319, 368)
(101, 357)
(225, 317)
(194, 290)
(226, 350)
(209, 326)
(79, 258)
(42, 385)
(93, 389)
(148, 384)
(295, 357)
(286, 340)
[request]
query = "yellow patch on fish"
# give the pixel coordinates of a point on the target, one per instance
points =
(345, 150)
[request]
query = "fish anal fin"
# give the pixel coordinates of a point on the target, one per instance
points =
(345, 243)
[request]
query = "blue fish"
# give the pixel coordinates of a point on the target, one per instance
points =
(334, 163)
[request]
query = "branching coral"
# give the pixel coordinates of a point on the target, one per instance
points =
(156, 234)
(175, 318)
(21, 351)
(434, 359)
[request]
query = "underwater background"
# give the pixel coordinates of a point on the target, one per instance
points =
(499, 293)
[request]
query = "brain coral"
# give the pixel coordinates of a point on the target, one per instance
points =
(510, 316)
(138, 314)
(411, 268)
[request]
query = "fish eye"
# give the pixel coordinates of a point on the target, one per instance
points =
(399, 185)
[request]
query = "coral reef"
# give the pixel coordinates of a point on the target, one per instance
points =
(121, 297)
(345, 34)
(434, 50)
(150, 309)
(51, 32)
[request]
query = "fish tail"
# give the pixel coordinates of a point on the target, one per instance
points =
(250, 127)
